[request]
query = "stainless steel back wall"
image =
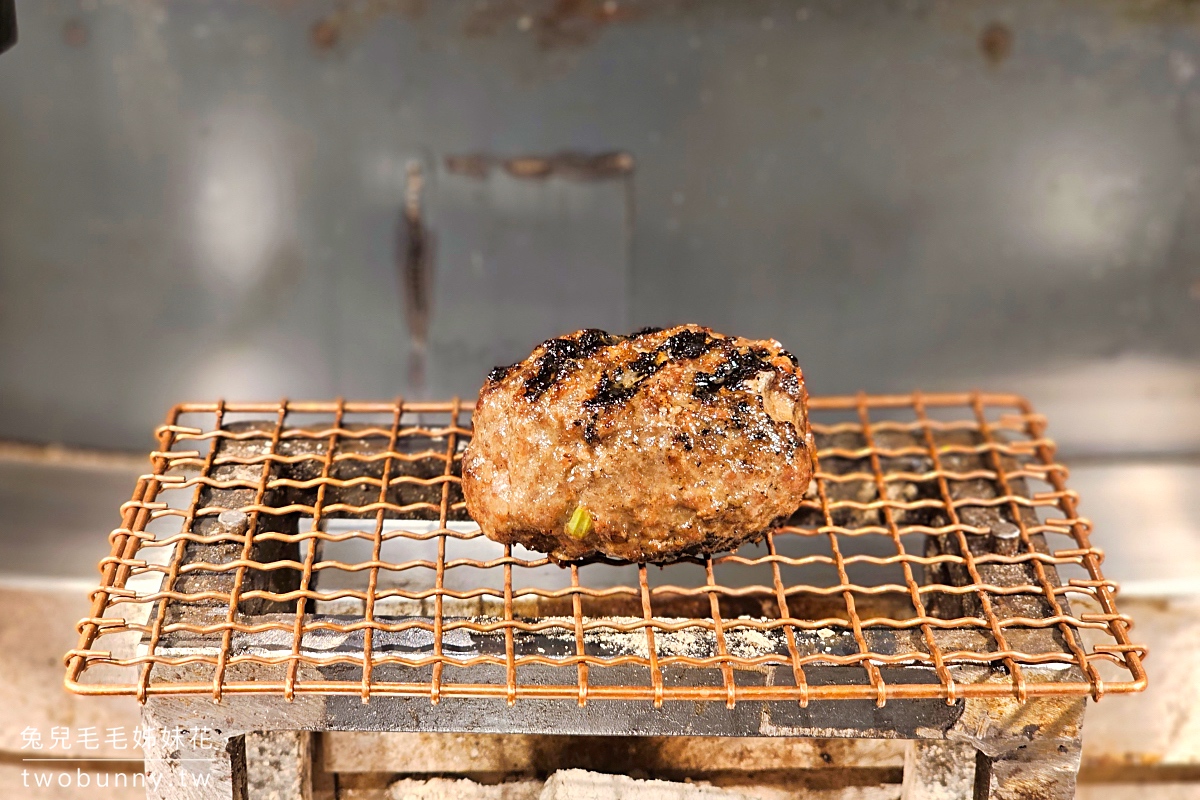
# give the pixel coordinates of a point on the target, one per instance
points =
(203, 199)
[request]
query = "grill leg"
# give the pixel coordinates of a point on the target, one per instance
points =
(957, 771)
(1025, 749)
(280, 765)
(1046, 772)
(187, 767)
(934, 768)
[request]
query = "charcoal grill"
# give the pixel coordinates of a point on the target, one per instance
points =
(311, 566)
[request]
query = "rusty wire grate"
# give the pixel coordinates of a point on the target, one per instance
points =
(324, 547)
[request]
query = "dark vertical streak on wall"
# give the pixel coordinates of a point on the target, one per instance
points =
(630, 192)
(414, 256)
(8, 24)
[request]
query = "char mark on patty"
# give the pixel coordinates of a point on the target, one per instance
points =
(613, 390)
(738, 367)
(500, 373)
(562, 356)
(622, 383)
(689, 344)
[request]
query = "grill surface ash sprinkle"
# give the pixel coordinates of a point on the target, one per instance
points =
(645, 447)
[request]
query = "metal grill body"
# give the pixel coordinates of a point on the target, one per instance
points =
(311, 566)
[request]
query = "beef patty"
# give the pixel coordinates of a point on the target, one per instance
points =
(643, 448)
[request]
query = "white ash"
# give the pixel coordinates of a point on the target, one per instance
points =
(692, 641)
(450, 789)
(749, 642)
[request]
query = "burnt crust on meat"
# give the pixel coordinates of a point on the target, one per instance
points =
(674, 442)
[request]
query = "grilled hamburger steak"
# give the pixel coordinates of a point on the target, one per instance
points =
(642, 447)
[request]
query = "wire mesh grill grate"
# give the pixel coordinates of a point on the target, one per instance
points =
(325, 547)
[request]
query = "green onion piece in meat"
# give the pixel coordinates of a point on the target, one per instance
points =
(580, 524)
